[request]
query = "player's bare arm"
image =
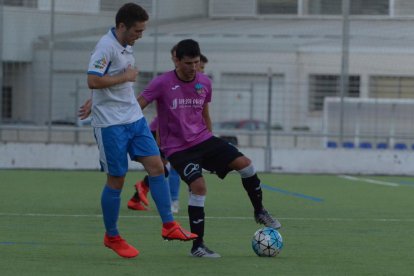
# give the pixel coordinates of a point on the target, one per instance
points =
(206, 116)
(142, 102)
(98, 82)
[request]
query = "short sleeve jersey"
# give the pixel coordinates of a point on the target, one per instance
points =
(179, 107)
(115, 105)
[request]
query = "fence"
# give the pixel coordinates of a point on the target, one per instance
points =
(272, 64)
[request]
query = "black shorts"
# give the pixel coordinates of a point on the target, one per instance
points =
(213, 155)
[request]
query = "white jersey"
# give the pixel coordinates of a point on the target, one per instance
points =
(115, 105)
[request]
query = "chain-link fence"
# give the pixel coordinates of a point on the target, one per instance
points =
(273, 65)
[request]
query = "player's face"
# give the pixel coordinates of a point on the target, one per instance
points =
(129, 36)
(187, 67)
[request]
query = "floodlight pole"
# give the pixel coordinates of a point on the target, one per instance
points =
(1, 61)
(251, 114)
(344, 65)
(268, 154)
(51, 61)
(155, 22)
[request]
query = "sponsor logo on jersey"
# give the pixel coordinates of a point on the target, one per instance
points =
(100, 63)
(175, 87)
(174, 104)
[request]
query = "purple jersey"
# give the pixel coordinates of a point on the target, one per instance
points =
(179, 107)
(154, 124)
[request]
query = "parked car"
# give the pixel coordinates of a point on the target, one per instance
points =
(71, 122)
(246, 124)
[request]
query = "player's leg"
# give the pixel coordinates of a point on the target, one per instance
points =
(251, 184)
(143, 148)
(225, 157)
(190, 170)
(143, 189)
(174, 181)
(139, 200)
(157, 182)
(113, 159)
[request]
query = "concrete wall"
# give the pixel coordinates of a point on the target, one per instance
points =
(17, 45)
(332, 161)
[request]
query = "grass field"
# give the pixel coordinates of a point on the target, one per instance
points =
(51, 224)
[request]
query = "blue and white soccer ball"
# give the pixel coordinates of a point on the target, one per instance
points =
(267, 242)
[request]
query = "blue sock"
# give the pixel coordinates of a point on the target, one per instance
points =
(110, 203)
(174, 181)
(160, 193)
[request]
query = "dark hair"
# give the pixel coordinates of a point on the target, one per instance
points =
(203, 58)
(173, 49)
(188, 48)
(129, 14)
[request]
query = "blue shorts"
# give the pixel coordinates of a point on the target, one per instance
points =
(118, 141)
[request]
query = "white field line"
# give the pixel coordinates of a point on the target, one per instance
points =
(368, 180)
(213, 218)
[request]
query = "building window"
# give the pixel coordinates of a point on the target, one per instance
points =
(392, 87)
(6, 108)
(358, 7)
(277, 7)
(321, 86)
(113, 5)
(21, 3)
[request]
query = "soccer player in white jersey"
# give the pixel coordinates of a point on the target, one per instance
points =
(120, 128)
(184, 127)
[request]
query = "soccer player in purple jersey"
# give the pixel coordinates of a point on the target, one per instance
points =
(183, 96)
(139, 200)
(120, 128)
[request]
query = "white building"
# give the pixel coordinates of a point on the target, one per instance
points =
(298, 42)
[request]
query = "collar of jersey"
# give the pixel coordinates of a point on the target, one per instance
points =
(190, 81)
(112, 34)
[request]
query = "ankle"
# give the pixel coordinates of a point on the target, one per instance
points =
(169, 225)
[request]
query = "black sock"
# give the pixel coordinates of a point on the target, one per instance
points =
(146, 181)
(254, 191)
(196, 217)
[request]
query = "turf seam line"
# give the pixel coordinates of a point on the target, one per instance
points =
(303, 196)
(368, 180)
(212, 217)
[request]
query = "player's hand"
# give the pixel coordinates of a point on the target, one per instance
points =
(131, 74)
(85, 109)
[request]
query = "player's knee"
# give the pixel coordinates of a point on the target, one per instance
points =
(156, 170)
(115, 182)
(240, 163)
(153, 166)
(198, 186)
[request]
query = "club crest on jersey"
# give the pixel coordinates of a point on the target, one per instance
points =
(199, 88)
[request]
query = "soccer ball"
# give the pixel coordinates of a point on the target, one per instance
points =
(267, 242)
